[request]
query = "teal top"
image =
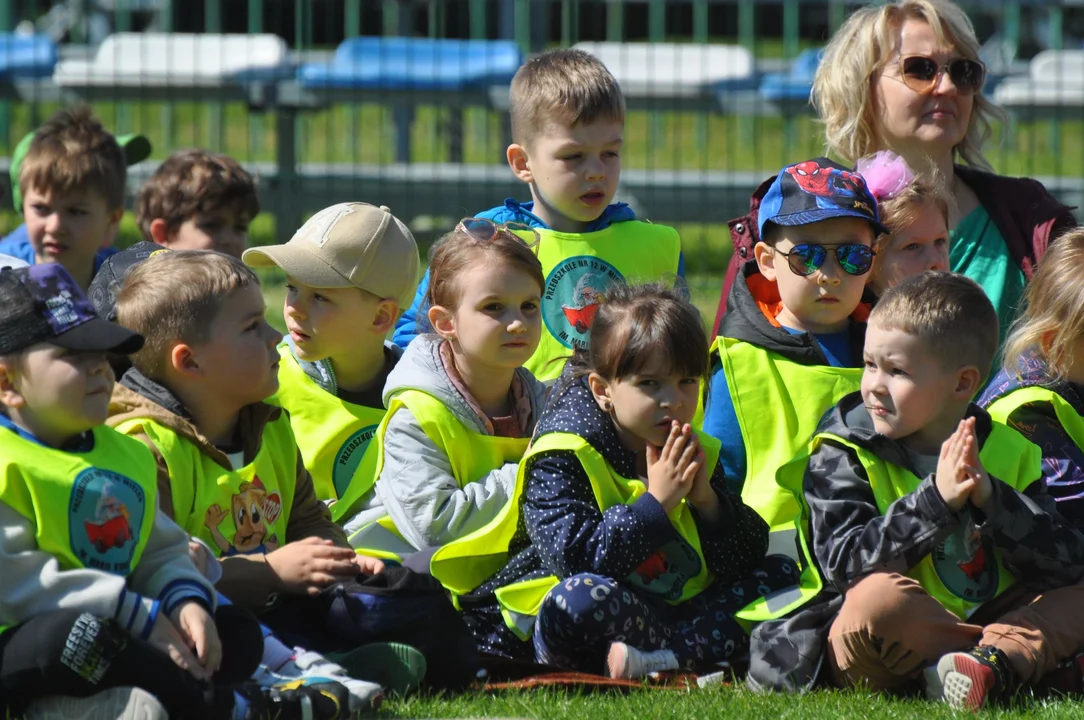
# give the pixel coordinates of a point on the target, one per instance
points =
(978, 251)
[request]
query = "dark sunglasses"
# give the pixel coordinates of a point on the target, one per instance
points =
(922, 74)
(806, 259)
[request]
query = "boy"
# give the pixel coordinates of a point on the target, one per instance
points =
(932, 520)
(72, 186)
(93, 573)
(568, 119)
(349, 270)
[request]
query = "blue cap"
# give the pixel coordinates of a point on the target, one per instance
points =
(815, 190)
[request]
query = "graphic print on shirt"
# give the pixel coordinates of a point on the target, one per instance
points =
(574, 290)
(253, 511)
(104, 518)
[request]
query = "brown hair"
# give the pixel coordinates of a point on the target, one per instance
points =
(175, 296)
(905, 207)
(564, 86)
(1054, 307)
(454, 252)
(949, 313)
(638, 322)
(73, 151)
(191, 183)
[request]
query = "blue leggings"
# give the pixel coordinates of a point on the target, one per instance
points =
(582, 616)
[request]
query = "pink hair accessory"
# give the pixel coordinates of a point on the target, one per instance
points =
(886, 174)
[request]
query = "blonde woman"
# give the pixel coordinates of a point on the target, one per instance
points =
(906, 76)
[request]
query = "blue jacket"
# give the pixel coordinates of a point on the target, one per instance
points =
(412, 322)
(17, 244)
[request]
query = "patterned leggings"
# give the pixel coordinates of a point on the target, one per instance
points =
(582, 616)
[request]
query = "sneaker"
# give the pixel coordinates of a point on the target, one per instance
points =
(121, 703)
(628, 663)
(364, 695)
(968, 679)
(298, 699)
(398, 668)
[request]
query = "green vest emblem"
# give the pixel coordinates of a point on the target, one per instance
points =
(965, 563)
(574, 290)
(349, 458)
(106, 513)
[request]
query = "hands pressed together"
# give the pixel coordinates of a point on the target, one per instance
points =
(678, 470)
(960, 475)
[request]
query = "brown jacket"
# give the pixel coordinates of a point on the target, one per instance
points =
(246, 579)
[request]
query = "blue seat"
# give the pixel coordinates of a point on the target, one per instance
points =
(796, 83)
(400, 63)
(26, 56)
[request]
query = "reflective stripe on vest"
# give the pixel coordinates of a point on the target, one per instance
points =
(579, 267)
(1070, 420)
(964, 571)
(335, 437)
(676, 573)
(472, 455)
(236, 512)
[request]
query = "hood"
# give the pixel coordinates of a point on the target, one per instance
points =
(515, 211)
(751, 310)
(1030, 372)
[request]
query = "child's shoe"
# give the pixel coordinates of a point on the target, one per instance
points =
(121, 703)
(397, 667)
(628, 663)
(308, 698)
(968, 679)
(364, 695)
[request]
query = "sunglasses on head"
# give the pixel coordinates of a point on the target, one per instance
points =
(922, 73)
(487, 230)
(805, 259)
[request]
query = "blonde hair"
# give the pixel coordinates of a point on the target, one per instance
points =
(564, 86)
(842, 87)
(175, 296)
(905, 207)
(1053, 307)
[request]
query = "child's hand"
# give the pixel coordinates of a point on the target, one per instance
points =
(309, 565)
(980, 496)
(702, 495)
(200, 634)
(165, 636)
(952, 480)
(672, 470)
(368, 565)
(200, 556)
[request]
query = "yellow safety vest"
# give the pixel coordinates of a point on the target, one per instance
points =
(472, 455)
(677, 572)
(89, 510)
(1070, 419)
(333, 435)
(236, 512)
(579, 267)
(964, 571)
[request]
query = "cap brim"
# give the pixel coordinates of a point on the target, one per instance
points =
(137, 148)
(299, 264)
(98, 335)
(807, 217)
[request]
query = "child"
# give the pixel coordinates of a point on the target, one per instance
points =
(72, 186)
(568, 119)
(93, 572)
(198, 200)
(639, 556)
(461, 408)
(348, 271)
(915, 214)
(1040, 391)
(931, 519)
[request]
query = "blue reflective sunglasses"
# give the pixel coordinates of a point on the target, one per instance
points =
(805, 259)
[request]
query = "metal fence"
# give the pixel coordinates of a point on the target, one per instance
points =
(699, 136)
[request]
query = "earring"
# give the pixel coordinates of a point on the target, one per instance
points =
(606, 407)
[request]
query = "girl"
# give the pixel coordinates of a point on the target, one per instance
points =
(1040, 390)
(916, 215)
(461, 408)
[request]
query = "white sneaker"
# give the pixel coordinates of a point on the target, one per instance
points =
(628, 663)
(307, 664)
(121, 703)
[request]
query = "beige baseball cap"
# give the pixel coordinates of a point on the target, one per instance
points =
(349, 245)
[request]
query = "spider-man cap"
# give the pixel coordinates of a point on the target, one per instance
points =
(815, 190)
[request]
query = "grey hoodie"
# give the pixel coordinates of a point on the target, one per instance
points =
(416, 487)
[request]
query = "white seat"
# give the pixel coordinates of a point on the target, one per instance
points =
(1055, 79)
(667, 70)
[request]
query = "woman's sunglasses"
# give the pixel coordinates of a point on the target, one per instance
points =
(487, 230)
(922, 74)
(806, 259)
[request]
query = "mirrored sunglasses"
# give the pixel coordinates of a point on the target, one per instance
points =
(487, 230)
(805, 259)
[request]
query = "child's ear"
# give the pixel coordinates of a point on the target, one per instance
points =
(183, 360)
(159, 231)
(442, 321)
(520, 163)
(1046, 341)
(387, 312)
(9, 395)
(765, 257)
(601, 390)
(968, 383)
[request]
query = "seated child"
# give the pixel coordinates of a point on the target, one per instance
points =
(461, 408)
(348, 271)
(71, 184)
(1040, 390)
(90, 565)
(568, 121)
(639, 556)
(914, 212)
(932, 520)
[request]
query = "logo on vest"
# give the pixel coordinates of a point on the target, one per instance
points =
(349, 458)
(254, 511)
(666, 572)
(105, 516)
(573, 292)
(966, 565)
